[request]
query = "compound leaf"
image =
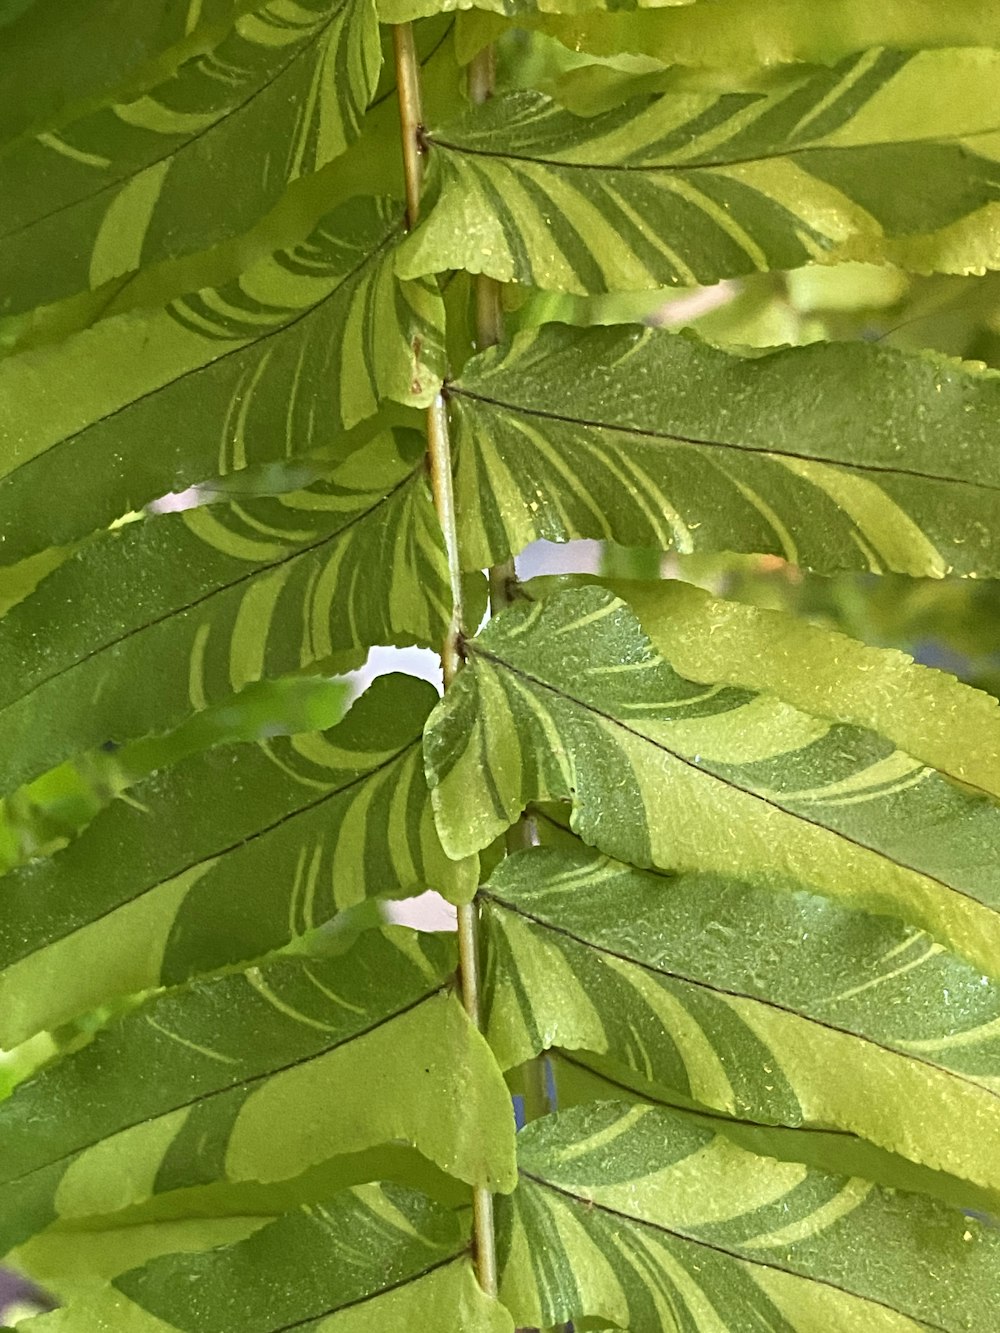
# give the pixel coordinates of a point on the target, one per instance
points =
(693, 188)
(191, 162)
(568, 700)
(258, 1075)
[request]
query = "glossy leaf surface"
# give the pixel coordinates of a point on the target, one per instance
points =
(371, 1258)
(257, 1076)
(757, 998)
(829, 455)
(677, 1228)
(690, 189)
(569, 701)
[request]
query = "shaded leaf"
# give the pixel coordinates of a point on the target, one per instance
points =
(640, 1217)
(226, 856)
(568, 700)
(304, 345)
(43, 80)
(189, 163)
(257, 1076)
(693, 188)
(163, 617)
(828, 455)
(374, 1257)
(757, 998)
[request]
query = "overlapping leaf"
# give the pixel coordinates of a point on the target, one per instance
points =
(827, 455)
(694, 188)
(746, 36)
(568, 700)
(923, 710)
(44, 81)
(230, 854)
(257, 1076)
(165, 616)
(375, 1257)
(758, 999)
(643, 1219)
(402, 11)
(192, 162)
(303, 346)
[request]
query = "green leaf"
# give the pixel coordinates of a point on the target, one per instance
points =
(756, 998)
(257, 1076)
(190, 163)
(568, 700)
(402, 11)
(642, 1218)
(828, 455)
(163, 617)
(924, 711)
(304, 345)
(223, 858)
(367, 1259)
(44, 81)
(747, 36)
(694, 188)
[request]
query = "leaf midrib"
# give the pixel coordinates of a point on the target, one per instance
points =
(668, 168)
(666, 437)
(242, 345)
(473, 647)
(50, 940)
(237, 1083)
(713, 989)
(258, 91)
(588, 1204)
(214, 592)
(458, 1257)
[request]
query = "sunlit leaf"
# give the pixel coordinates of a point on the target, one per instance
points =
(568, 700)
(642, 1218)
(756, 998)
(375, 1257)
(693, 188)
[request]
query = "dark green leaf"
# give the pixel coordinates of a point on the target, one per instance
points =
(257, 1076)
(303, 346)
(828, 455)
(163, 617)
(228, 855)
(189, 163)
(644, 1219)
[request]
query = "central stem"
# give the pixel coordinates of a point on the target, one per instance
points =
(440, 468)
